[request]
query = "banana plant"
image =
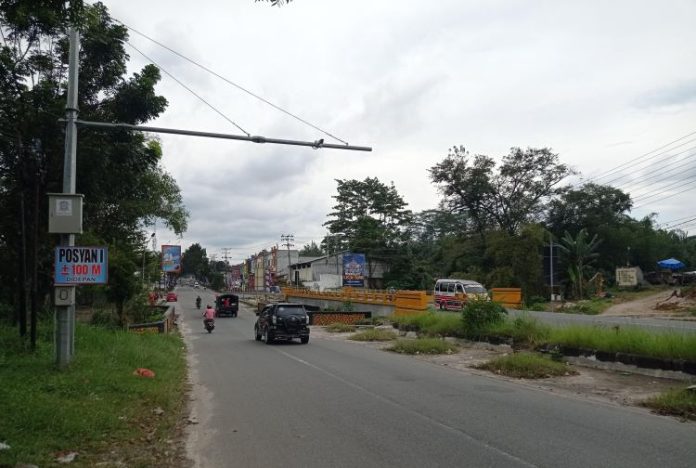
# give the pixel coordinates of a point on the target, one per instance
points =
(580, 253)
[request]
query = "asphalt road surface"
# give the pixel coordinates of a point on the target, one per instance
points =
(336, 404)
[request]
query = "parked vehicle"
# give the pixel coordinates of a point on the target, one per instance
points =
(452, 294)
(282, 321)
(171, 297)
(226, 305)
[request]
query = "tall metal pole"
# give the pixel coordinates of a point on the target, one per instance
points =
(65, 315)
(551, 270)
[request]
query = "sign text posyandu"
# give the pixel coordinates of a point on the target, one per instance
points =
(81, 265)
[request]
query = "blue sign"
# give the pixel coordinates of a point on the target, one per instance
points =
(354, 270)
(81, 265)
(171, 258)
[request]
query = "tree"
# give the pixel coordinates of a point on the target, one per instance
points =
(580, 253)
(311, 250)
(516, 195)
(119, 172)
(369, 217)
(194, 261)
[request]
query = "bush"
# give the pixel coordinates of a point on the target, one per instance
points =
(678, 402)
(535, 300)
(526, 366)
(339, 328)
(423, 346)
(374, 334)
(524, 330)
(479, 316)
(105, 318)
(537, 306)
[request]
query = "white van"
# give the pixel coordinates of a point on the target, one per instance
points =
(454, 293)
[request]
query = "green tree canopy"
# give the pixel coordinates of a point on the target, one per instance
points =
(515, 195)
(119, 173)
(311, 250)
(369, 217)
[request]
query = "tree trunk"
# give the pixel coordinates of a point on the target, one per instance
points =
(22, 303)
(34, 266)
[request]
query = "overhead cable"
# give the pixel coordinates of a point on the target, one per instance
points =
(188, 89)
(228, 81)
(616, 168)
(665, 197)
(664, 157)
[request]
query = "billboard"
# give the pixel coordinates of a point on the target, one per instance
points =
(171, 258)
(354, 270)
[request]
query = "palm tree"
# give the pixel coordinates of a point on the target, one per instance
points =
(580, 254)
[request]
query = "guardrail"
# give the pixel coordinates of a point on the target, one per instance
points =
(402, 302)
(507, 297)
(161, 326)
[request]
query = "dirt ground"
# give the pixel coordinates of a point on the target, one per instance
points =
(661, 305)
(619, 387)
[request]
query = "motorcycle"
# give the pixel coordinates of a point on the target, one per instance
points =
(198, 303)
(209, 325)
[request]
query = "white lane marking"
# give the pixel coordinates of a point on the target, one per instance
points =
(409, 410)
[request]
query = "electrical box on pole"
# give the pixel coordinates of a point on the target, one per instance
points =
(65, 213)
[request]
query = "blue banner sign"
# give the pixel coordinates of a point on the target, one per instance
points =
(354, 270)
(171, 258)
(81, 265)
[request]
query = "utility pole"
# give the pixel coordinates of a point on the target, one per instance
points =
(286, 240)
(142, 277)
(226, 254)
(65, 315)
(553, 296)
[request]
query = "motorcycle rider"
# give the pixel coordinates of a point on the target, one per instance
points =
(198, 302)
(209, 315)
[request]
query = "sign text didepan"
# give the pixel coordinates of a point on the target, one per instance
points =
(81, 265)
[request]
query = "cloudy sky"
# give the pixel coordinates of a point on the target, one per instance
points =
(601, 83)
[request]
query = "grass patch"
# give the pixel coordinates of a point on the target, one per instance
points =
(527, 366)
(681, 403)
(339, 328)
(423, 346)
(627, 340)
(432, 323)
(96, 405)
(524, 330)
(375, 334)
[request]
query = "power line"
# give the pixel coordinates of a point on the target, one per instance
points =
(188, 89)
(226, 80)
(663, 170)
(616, 168)
(678, 219)
(663, 188)
(688, 222)
(664, 198)
(643, 168)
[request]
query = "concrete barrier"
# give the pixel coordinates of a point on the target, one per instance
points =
(507, 297)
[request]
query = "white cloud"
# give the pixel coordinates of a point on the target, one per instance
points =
(599, 82)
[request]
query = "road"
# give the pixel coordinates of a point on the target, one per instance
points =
(337, 404)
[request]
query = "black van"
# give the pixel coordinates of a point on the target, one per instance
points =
(226, 305)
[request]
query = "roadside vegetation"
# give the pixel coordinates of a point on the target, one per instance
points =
(484, 323)
(680, 403)
(96, 407)
(423, 346)
(339, 328)
(527, 366)
(374, 334)
(627, 340)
